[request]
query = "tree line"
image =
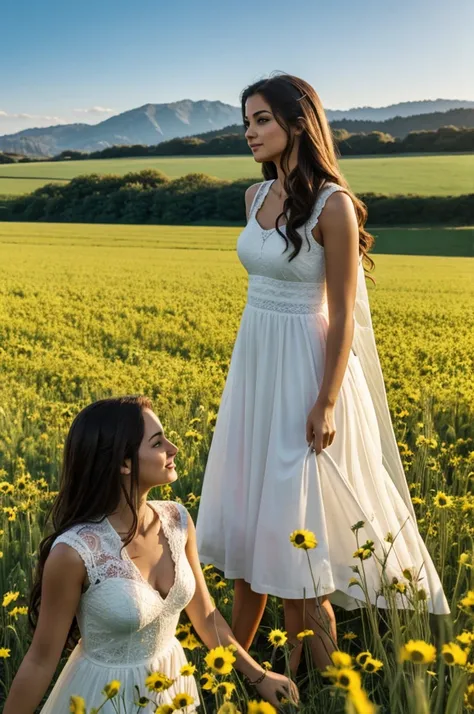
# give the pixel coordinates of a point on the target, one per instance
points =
(446, 139)
(150, 197)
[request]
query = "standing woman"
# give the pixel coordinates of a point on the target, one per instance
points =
(303, 438)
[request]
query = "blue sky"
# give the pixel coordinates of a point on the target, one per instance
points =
(84, 61)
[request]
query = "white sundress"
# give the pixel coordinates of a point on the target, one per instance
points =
(262, 481)
(127, 628)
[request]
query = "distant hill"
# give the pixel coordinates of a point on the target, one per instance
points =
(398, 126)
(404, 109)
(154, 123)
(150, 124)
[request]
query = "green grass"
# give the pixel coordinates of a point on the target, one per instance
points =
(455, 242)
(424, 175)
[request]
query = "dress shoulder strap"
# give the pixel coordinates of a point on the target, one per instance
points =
(327, 190)
(174, 517)
(84, 541)
(259, 197)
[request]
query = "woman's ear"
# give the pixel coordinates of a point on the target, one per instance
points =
(126, 468)
(299, 126)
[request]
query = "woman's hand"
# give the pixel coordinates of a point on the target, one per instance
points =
(320, 429)
(275, 684)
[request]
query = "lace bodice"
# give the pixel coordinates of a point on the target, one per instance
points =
(264, 255)
(122, 619)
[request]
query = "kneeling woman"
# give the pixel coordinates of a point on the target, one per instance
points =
(126, 568)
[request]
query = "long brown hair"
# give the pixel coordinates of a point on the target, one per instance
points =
(294, 103)
(102, 436)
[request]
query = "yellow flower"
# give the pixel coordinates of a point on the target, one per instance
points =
(18, 611)
(362, 657)
(277, 638)
(469, 696)
(255, 707)
(165, 709)
(6, 487)
(142, 702)
(227, 708)
(418, 651)
(77, 705)
(10, 597)
(442, 500)
(360, 702)
(400, 587)
(187, 670)
(303, 539)
(346, 678)
(465, 638)
(4, 653)
(362, 553)
(267, 665)
(111, 689)
(465, 559)
(207, 681)
(1, 553)
(468, 601)
(354, 581)
(11, 513)
(180, 701)
(372, 665)
(454, 654)
(305, 633)
(417, 501)
(220, 660)
(349, 636)
(191, 642)
(341, 659)
(224, 688)
(158, 682)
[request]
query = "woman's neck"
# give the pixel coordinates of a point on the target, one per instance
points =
(122, 517)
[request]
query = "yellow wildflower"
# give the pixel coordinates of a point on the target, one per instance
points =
(187, 670)
(303, 539)
(305, 633)
(277, 638)
(10, 597)
(180, 701)
(341, 659)
(220, 660)
(158, 682)
(418, 651)
(111, 689)
(77, 705)
(255, 707)
(454, 654)
(442, 500)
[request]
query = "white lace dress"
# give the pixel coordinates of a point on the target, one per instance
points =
(262, 482)
(127, 628)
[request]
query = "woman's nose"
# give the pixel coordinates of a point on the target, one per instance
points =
(249, 133)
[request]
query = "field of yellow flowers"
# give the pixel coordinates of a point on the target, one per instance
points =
(91, 311)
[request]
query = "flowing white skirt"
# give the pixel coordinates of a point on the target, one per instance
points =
(84, 677)
(262, 482)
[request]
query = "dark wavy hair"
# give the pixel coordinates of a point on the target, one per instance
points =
(102, 436)
(294, 103)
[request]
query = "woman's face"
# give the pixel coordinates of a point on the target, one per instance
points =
(155, 455)
(264, 135)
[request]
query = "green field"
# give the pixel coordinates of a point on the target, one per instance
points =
(424, 175)
(88, 311)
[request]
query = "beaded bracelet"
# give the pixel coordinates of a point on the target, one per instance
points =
(260, 679)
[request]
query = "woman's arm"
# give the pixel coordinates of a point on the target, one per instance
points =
(63, 578)
(214, 631)
(340, 233)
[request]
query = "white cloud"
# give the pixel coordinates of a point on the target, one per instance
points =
(95, 110)
(36, 117)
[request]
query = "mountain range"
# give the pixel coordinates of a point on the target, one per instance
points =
(154, 123)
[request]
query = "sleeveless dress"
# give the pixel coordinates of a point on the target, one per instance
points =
(262, 481)
(127, 628)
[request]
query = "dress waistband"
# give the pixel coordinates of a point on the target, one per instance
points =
(285, 296)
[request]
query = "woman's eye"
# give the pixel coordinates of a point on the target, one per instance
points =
(158, 443)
